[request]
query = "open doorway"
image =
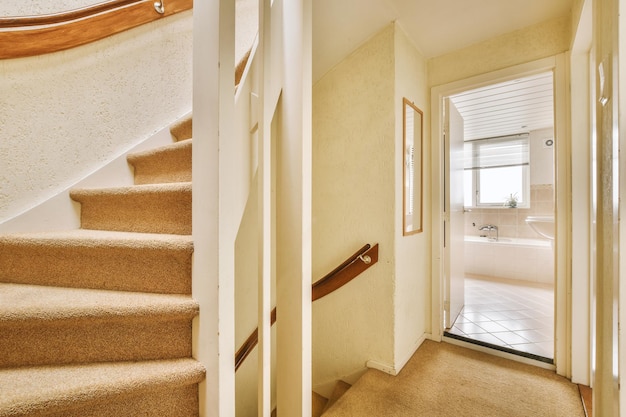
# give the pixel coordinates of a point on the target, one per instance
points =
(499, 261)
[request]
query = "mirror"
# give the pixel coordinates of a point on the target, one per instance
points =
(412, 164)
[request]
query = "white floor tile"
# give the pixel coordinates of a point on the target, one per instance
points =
(520, 317)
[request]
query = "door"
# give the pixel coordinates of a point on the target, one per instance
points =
(454, 225)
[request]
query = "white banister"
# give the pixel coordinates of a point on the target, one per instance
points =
(214, 222)
(266, 206)
(293, 211)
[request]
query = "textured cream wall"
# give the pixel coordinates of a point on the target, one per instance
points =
(353, 204)
(413, 253)
(520, 46)
(37, 7)
(63, 115)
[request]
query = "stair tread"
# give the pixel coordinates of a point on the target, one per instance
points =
(121, 261)
(173, 147)
(183, 129)
(166, 164)
(22, 302)
(148, 208)
(29, 390)
(140, 189)
(99, 238)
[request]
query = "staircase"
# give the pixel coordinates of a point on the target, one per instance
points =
(98, 321)
(321, 404)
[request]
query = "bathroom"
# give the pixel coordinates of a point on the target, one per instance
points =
(509, 260)
(519, 253)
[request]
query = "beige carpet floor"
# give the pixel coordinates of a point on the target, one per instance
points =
(444, 380)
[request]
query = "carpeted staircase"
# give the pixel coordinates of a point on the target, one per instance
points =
(98, 321)
(321, 404)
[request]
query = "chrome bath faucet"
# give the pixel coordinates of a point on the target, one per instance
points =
(490, 228)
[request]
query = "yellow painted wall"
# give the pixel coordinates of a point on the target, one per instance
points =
(353, 204)
(413, 253)
(529, 44)
(357, 198)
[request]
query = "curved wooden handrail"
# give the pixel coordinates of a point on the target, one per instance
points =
(250, 343)
(61, 17)
(36, 35)
(337, 278)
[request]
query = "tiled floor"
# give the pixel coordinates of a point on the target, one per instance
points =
(508, 314)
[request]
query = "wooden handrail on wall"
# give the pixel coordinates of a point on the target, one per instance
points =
(346, 272)
(337, 278)
(36, 35)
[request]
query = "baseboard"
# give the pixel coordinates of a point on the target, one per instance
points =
(397, 367)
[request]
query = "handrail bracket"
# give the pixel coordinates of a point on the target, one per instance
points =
(366, 259)
(159, 6)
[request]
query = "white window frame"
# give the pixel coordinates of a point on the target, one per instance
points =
(525, 197)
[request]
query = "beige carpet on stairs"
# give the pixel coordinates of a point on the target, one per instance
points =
(97, 322)
(444, 380)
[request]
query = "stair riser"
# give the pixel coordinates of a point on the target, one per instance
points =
(153, 175)
(167, 212)
(172, 402)
(76, 341)
(183, 129)
(155, 270)
(168, 166)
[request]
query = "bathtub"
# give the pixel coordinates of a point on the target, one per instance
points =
(510, 258)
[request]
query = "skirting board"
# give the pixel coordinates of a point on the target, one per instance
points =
(395, 369)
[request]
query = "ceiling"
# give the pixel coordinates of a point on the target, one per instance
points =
(435, 26)
(516, 106)
(438, 27)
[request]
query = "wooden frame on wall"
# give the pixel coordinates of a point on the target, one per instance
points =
(412, 133)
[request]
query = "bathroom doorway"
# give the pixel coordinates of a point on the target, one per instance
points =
(508, 212)
(509, 270)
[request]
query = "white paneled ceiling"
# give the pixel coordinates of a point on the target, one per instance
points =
(516, 106)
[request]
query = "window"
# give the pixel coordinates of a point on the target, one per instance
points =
(496, 170)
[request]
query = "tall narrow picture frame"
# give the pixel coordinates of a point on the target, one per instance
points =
(412, 133)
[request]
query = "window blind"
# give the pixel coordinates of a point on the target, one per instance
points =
(499, 152)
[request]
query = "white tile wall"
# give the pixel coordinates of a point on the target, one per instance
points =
(524, 262)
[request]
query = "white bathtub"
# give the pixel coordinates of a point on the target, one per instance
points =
(511, 258)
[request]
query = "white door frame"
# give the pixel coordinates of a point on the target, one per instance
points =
(557, 64)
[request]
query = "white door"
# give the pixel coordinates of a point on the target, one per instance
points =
(454, 227)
